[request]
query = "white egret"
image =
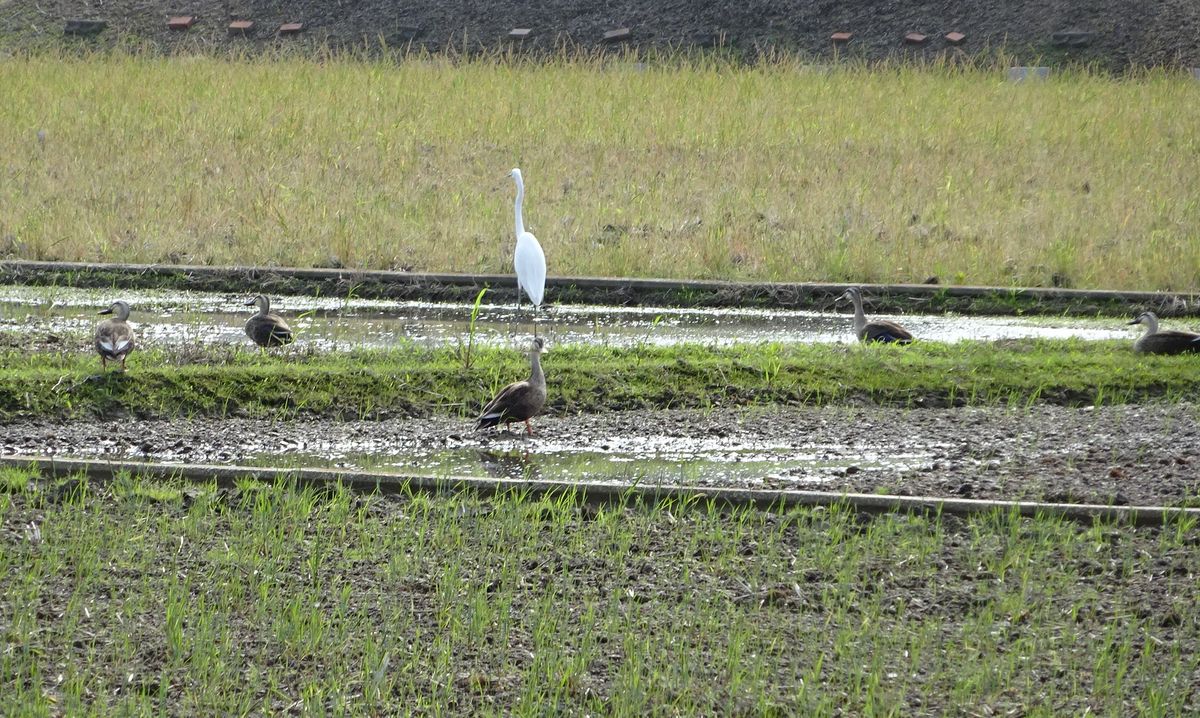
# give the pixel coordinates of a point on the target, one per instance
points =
(528, 259)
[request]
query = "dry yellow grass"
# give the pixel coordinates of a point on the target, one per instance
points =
(773, 172)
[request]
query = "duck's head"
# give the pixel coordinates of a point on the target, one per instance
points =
(850, 295)
(119, 308)
(1144, 318)
(259, 300)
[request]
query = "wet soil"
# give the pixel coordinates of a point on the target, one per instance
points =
(1146, 455)
(1115, 33)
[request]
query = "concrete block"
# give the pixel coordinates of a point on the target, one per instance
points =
(1022, 74)
(841, 38)
(519, 33)
(1072, 38)
(955, 38)
(181, 22)
(241, 27)
(404, 34)
(291, 28)
(618, 35)
(84, 27)
(915, 38)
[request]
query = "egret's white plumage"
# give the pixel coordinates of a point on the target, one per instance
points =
(528, 260)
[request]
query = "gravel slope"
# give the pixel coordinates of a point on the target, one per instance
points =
(1135, 31)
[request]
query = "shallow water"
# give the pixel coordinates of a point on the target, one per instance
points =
(644, 447)
(163, 317)
(645, 458)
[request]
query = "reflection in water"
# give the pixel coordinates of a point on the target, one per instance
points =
(338, 324)
(727, 466)
(509, 464)
(711, 459)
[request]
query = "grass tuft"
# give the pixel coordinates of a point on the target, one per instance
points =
(421, 382)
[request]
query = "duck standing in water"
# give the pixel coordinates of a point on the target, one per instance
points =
(879, 330)
(114, 337)
(521, 400)
(1168, 342)
(267, 329)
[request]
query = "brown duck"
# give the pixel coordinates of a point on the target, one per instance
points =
(267, 329)
(879, 330)
(114, 337)
(1169, 342)
(521, 400)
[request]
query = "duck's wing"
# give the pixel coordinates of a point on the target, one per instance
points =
(280, 332)
(888, 332)
(1169, 342)
(269, 331)
(507, 405)
(113, 339)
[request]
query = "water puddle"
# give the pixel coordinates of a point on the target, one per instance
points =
(335, 324)
(652, 458)
(772, 467)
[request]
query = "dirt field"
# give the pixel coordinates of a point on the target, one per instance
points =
(1138, 32)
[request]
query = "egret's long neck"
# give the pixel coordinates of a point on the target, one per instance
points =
(860, 319)
(517, 206)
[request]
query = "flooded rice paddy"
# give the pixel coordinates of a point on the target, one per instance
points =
(338, 324)
(1113, 454)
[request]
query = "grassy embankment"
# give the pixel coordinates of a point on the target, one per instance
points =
(145, 599)
(367, 384)
(700, 171)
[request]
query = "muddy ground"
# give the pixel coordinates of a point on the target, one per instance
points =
(1144, 455)
(1114, 33)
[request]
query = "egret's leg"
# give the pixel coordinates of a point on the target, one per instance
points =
(518, 327)
(528, 428)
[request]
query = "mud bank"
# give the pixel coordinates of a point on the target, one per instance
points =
(410, 286)
(1146, 454)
